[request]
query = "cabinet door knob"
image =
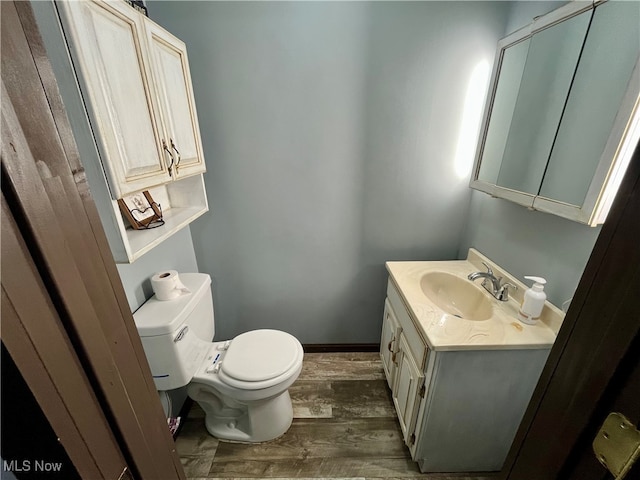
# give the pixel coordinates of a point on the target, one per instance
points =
(166, 149)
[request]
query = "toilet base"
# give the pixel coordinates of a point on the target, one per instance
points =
(251, 422)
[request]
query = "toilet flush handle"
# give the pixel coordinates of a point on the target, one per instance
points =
(181, 333)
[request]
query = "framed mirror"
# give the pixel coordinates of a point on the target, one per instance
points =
(563, 95)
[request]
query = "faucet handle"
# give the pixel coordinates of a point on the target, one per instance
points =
(489, 270)
(503, 293)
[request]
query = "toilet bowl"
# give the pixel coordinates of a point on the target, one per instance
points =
(241, 384)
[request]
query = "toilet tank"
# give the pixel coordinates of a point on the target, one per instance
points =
(176, 334)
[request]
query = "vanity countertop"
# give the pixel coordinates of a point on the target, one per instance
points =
(443, 331)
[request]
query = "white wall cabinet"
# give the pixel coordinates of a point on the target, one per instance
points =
(109, 43)
(176, 102)
(136, 86)
(458, 409)
(562, 116)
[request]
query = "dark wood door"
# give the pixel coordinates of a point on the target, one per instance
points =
(592, 368)
(45, 362)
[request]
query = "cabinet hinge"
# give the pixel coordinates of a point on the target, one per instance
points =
(617, 445)
(423, 389)
(412, 439)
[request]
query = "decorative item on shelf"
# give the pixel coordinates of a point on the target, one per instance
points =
(141, 211)
(139, 6)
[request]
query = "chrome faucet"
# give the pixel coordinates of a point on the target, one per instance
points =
(493, 284)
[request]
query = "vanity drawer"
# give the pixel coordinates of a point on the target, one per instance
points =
(414, 339)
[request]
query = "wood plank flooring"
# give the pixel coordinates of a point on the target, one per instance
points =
(344, 426)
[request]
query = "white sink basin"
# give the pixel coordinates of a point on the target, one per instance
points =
(456, 296)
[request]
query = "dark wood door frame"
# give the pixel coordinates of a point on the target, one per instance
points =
(38, 344)
(598, 339)
(46, 193)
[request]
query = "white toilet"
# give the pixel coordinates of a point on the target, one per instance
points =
(241, 384)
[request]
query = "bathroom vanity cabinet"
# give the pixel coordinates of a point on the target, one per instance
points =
(458, 407)
(135, 82)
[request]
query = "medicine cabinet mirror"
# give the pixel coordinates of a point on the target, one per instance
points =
(561, 117)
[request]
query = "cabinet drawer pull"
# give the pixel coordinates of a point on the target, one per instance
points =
(173, 146)
(166, 149)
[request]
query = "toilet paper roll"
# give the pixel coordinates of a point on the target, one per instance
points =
(167, 285)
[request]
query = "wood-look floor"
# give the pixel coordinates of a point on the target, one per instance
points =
(344, 426)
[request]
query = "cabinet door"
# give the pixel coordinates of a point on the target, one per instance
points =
(175, 100)
(389, 343)
(107, 39)
(406, 396)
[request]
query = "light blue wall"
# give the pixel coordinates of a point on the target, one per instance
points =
(329, 131)
(522, 13)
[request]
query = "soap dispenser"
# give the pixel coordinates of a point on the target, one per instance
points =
(533, 302)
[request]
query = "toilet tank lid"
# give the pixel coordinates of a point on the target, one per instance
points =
(156, 317)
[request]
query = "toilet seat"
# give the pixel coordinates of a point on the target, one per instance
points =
(260, 359)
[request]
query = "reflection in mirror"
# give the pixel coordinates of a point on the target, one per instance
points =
(602, 78)
(504, 103)
(546, 81)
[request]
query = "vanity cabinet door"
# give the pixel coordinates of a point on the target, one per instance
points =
(108, 38)
(406, 391)
(389, 343)
(175, 100)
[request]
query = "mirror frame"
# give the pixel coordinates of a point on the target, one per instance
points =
(596, 205)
